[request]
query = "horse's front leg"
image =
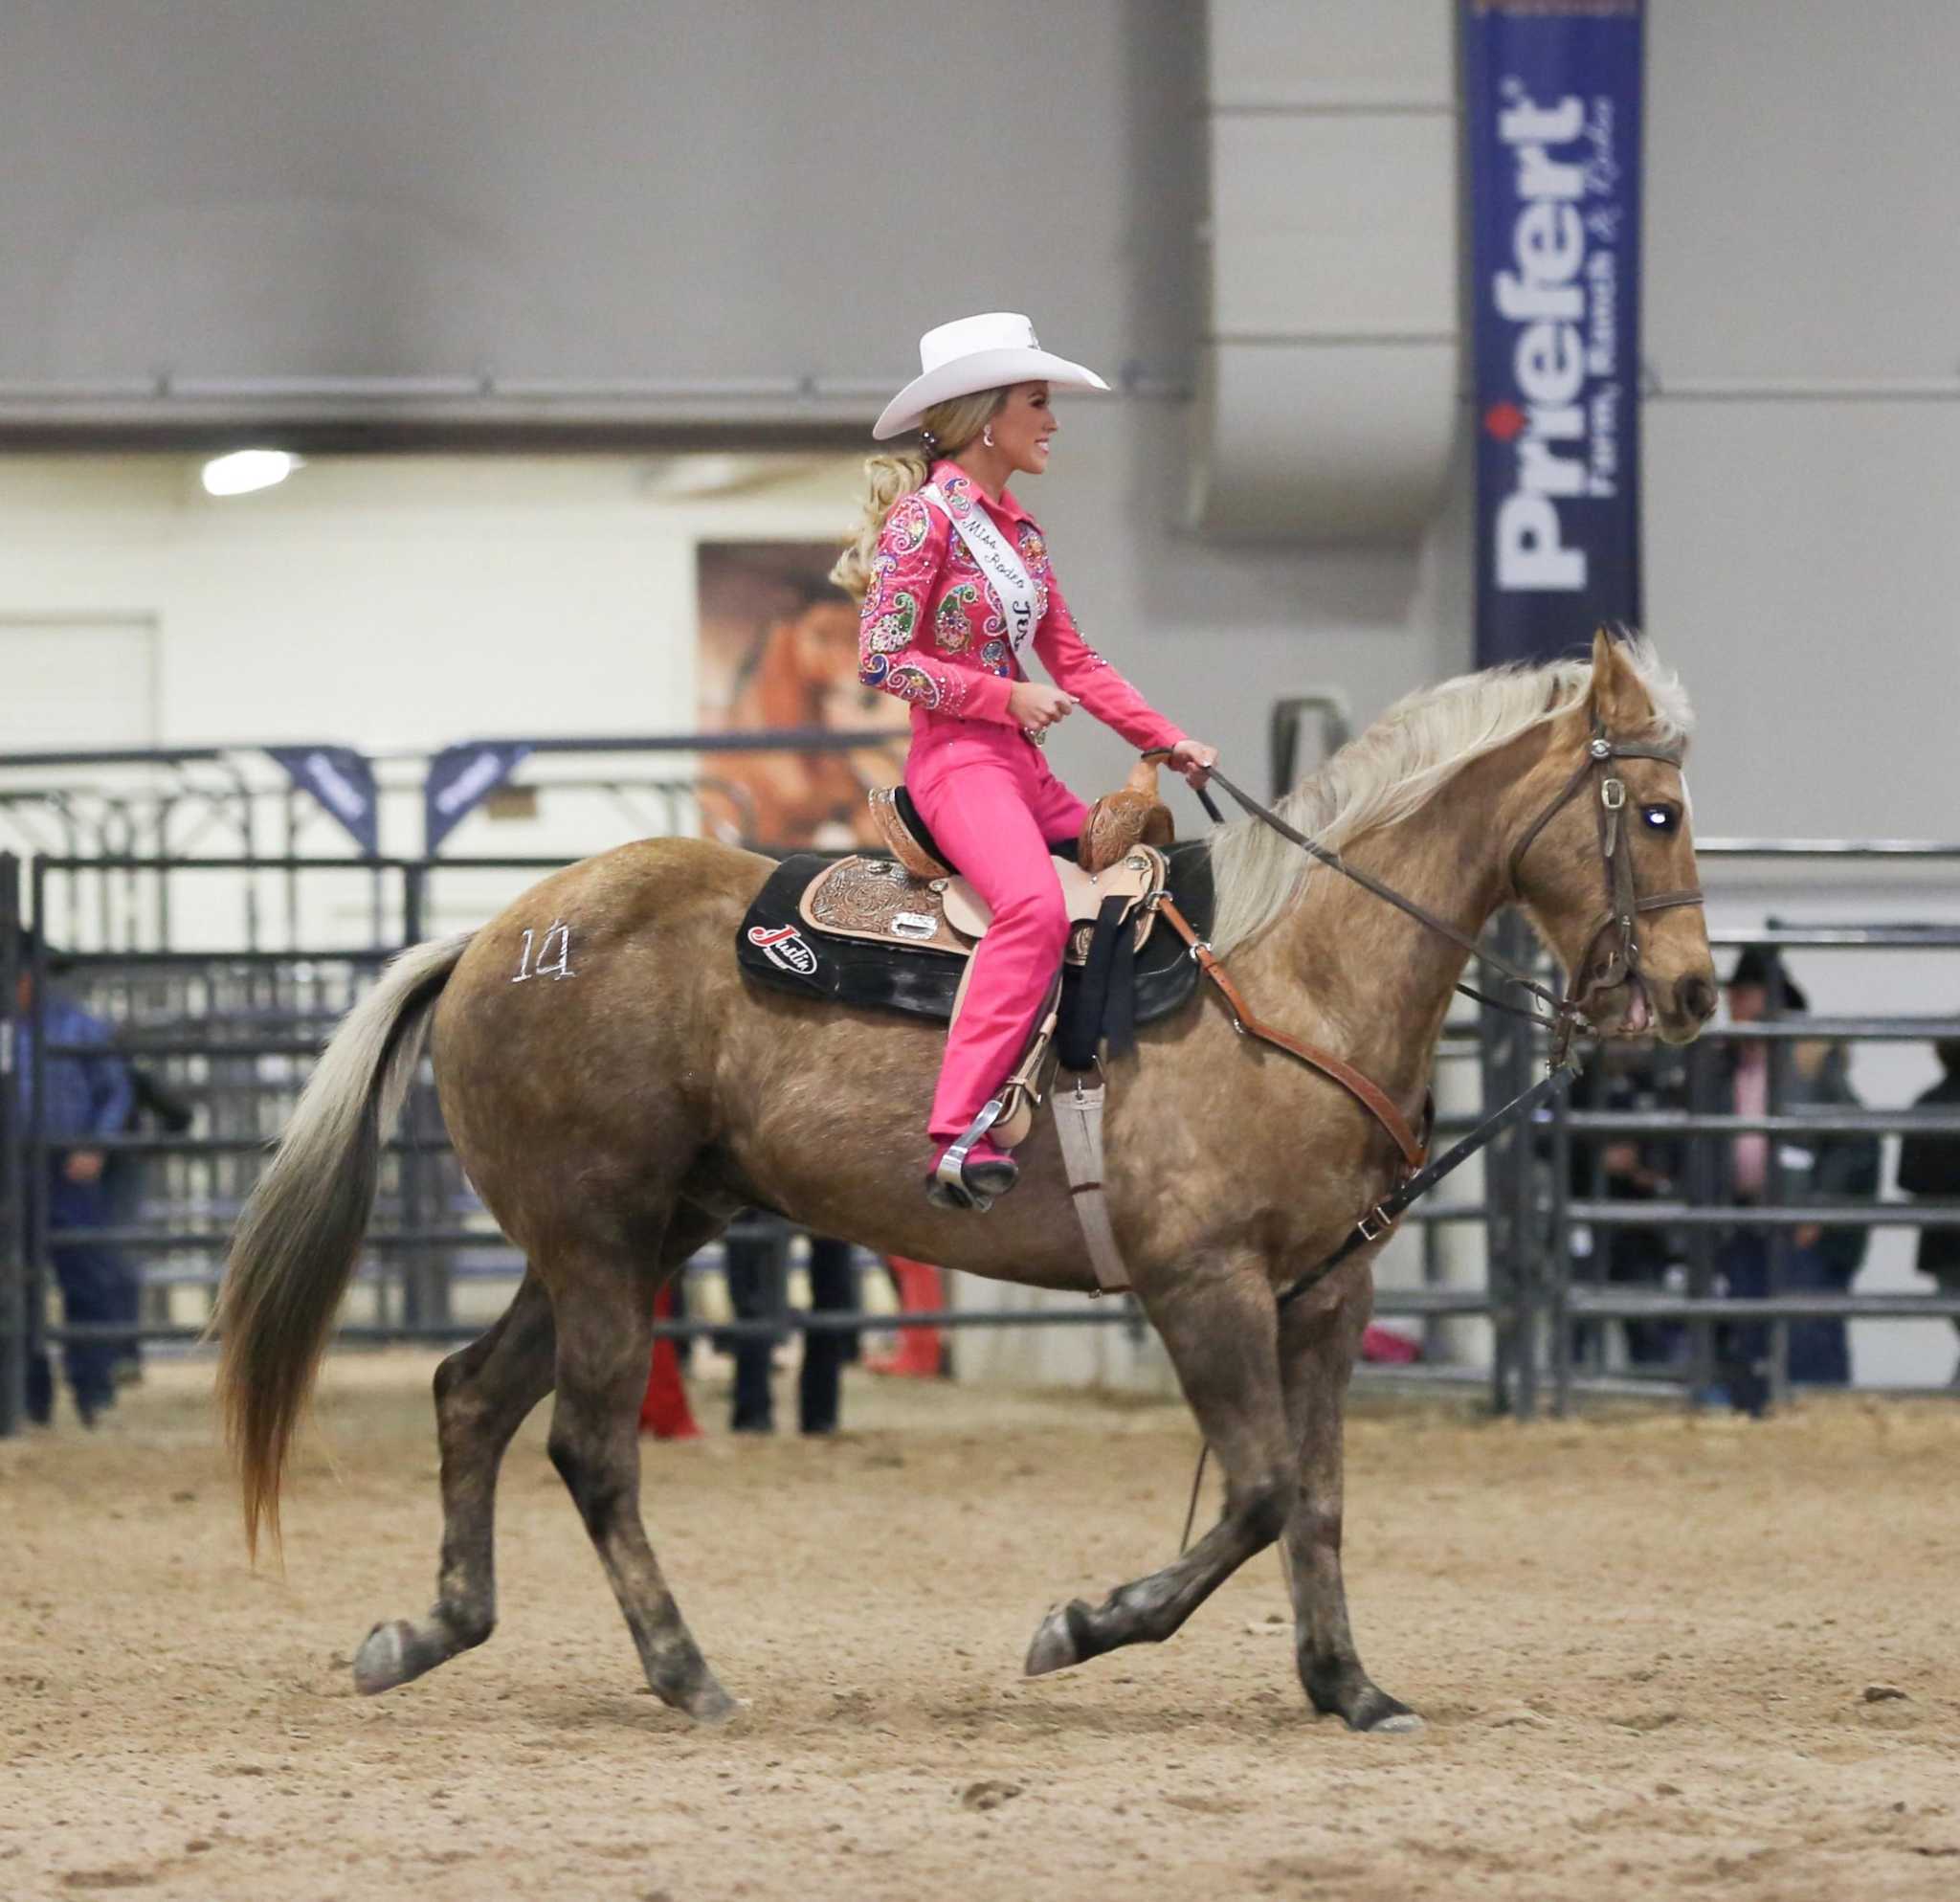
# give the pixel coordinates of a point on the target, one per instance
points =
(1319, 1340)
(1221, 1328)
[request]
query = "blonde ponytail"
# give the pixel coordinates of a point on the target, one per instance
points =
(886, 477)
(950, 426)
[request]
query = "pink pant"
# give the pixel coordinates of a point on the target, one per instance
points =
(993, 805)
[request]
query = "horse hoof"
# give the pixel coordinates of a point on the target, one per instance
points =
(1377, 1714)
(711, 1706)
(1054, 1647)
(1396, 1724)
(382, 1659)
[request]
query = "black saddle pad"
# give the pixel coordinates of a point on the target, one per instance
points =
(776, 947)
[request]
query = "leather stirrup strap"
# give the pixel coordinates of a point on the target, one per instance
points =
(1369, 1095)
(1079, 1123)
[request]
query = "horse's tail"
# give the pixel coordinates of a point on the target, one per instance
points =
(300, 1234)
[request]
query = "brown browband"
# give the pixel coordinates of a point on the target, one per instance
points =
(1366, 1093)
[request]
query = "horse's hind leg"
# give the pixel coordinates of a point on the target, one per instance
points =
(1220, 1329)
(1317, 1350)
(481, 1398)
(605, 1334)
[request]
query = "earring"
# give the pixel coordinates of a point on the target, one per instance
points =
(987, 436)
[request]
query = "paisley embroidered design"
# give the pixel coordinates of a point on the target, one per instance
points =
(950, 626)
(995, 621)
(923, 574)
(1034, 550)
(893, 629)
(908, 526)
(913, 684)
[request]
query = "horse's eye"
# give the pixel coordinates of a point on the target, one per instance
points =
(1660, 818)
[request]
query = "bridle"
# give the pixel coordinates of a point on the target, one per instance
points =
(1564, 1014)
(1624, 903)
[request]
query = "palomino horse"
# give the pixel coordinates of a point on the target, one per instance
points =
(617, 1106)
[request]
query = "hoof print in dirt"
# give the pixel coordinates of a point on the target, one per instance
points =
(988, 1794)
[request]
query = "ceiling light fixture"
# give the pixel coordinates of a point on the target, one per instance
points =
(244, 470)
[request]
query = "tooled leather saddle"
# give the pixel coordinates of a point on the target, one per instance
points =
(897, 932)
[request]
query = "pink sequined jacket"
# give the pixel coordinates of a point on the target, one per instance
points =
(932, 631)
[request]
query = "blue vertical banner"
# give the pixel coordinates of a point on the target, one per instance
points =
(1553, 116)
(343, 781)
(461, 778)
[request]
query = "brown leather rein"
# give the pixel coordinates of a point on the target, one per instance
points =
(1623, 906)
(1371, 1096)
(1567, 1013)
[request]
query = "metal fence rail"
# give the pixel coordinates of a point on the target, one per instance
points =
(234, 1033)
(1702, 1216)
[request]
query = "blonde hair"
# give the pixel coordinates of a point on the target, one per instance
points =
(887, 479)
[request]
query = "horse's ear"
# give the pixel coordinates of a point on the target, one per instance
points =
(1619, 701)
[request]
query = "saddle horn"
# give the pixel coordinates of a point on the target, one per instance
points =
(1131, 816)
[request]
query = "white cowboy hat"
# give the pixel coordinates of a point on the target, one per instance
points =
(974, 353)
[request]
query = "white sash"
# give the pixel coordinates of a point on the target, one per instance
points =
(1000, 562)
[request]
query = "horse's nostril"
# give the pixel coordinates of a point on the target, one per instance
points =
(1697, 998)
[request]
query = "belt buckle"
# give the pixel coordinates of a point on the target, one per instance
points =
(1381, 1219)
(1035, 736)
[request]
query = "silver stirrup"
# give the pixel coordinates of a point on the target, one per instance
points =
(951, 1173)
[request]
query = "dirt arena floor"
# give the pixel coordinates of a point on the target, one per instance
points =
(1659, 1656)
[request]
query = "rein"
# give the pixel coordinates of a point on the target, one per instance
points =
(1565, 1016)
(1566, 1013)
(1561, 1012)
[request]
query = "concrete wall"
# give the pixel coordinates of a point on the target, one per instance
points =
(1803, 451)
(623, 189)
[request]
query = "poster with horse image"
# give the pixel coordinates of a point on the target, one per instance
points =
(779, 649)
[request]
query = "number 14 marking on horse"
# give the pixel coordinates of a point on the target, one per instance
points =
(546, 967)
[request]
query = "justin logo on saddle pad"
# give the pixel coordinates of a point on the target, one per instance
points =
(787, 947)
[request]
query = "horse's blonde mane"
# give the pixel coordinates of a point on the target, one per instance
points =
(1399, 764)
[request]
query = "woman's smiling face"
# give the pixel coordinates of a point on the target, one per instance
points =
(1023, 427)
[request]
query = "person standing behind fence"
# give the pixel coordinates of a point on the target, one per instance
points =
(1813, 1168)
(88, 1095)
(757, 1255)
(1627, 1078)
(1929, 1164)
